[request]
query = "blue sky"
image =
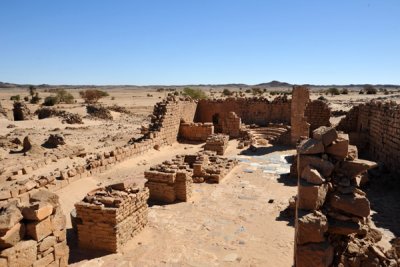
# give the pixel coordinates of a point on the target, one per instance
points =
(199, 41)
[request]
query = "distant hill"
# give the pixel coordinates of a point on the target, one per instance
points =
(274, 84)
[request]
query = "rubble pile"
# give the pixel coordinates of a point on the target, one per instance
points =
(21, 112)
(217, 143)
(211, 168)
(54, 141)
(119, 109)
(170, 181)
(33, 233)
(99, 111)
(109, 217)
(67, 117)
(333, 223)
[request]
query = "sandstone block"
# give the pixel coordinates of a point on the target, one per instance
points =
(45, 261)
(310, 196)
(339, 148)
(45, 196)
(326, 134)
(314, 254)
(311, 227)
(312, 176)
(311, 146)
(37, 212)
(343, 227)
(12, 236)
(355, 204)
(22, 254)
(324, 167)
(10, 216)
(352, 153)
(47, 243)
(355, 167)
(39, 230)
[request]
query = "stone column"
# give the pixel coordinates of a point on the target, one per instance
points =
(300, 126)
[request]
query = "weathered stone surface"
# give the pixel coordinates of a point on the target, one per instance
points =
(311, 227)
(355, 204)
(12, 236)
(37, 211)
(326, 134)
(324, 167)
(10, 215)
(312, 176)
(352, 153)
(311, 197)
(339, 148)
(343, 227)
(47, 243)
(314, 254)
(355, 167)
(39, 230)
(22, 254)
(45, 196)
(311, 146)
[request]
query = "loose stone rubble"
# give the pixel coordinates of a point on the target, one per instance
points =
(333, 224)
(33, 233)
(54, 141)
(109, 217)
(98, 111)
(217, 143)
(67, 117)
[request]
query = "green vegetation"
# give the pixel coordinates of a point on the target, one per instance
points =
(194, 93)
(344, 91)
(333, 91)
(370, 90)
(64, 97)
(50, 101)
(256, 91)
(15, 97)
(92, 96)
(227, 92)
(32, 90)
(35, 99)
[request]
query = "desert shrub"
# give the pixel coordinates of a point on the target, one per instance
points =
(322, 98)
(227, 92)
(344, 91)
(26, 98)
(361, 92)
(333, 91)
(92, 96)
(35, 99)
(50, 101)
(64, 97)
(256, 91)
(15, 97)
(194, 93)
(248, 91)
(176, 93)
(113, 98)
(370, 90)
(385, 91)
(32, 90)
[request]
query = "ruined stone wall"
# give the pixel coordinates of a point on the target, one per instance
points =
(333, 225)
(375, 128)
(21, 112)
(258, 111)
(217, 143)
(231, 125)
(109, 217)
(33, 233)
(299, 124)
(317, 114)
(195, 131)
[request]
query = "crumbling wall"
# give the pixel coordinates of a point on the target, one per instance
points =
(299, 125)
(258, 111)
(333, 225)
(217, 143)
(317, 114)
(374, 127)
(170, 181)
(33, 233)
(109, 217)
(231, 125)
(195, 131)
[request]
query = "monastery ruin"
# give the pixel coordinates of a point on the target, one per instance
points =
(332, 221)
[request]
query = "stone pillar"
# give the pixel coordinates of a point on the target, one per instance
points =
(300, 126)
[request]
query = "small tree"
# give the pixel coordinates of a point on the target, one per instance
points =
(35, 99)
(227, 92)
(32, 90)
(344, 91)
(64, 97)
(92, 96)
(370, 90)
(194, 93)
(15, 98)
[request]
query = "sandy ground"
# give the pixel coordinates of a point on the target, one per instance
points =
(240, 222)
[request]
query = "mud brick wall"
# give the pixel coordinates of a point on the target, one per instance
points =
(333, 225)
(317, 114)
(258, 111)
(299, 125)
(109, 217)
(33, 233)
(217, 143)
(170, 181)
(375, 128)
(195, 131)
(231, 125)
(210, 168)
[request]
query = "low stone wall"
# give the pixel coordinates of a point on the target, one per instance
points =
(374, 127)
(207, 167)
(33, 233)
(195, 131)
(170, 181)
(217, 143)
(333, 225)
(109, 217)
